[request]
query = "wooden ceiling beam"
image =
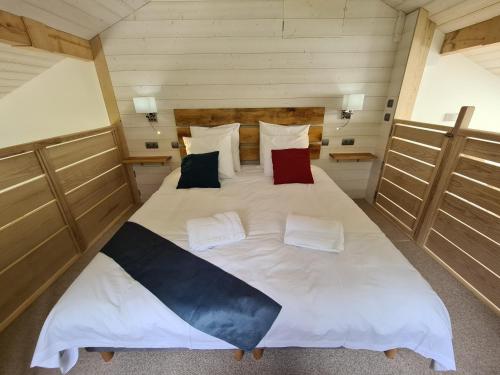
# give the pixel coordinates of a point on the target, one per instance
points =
(25, 32)
(480, 34)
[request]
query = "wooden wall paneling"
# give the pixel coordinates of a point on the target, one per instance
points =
(407, 182)
(420, 46)
(427, 154)
(484, 221)
(71, 152)
(80, 173)
(84, 198)
(483, 172)
(411, 166)
(108, 94)
(58, 193)
(482, 149)
(401, 197)
(33, 274)
(41, 224)
(420, 135)
(484, 196)
(470, 241)
(98, 219)
(481, 281)
(398, 213)
(480, 34)
(448, 159)
(19, 168)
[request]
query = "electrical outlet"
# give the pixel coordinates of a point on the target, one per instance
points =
(151, 144)
(325, 142)
(387, 117)
(347, 141)
(174, 144)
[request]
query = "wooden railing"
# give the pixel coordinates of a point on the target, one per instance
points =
(442, 186)
(57, 196)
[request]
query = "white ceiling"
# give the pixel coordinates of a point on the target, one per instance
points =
(451, 15)
(488, 57)
(19, 65)
(84, 18)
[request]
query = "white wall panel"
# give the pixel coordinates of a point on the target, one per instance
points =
(255, 53)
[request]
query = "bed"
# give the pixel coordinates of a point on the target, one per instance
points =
(367, 297)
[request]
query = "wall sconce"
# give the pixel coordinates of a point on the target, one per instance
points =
(146, 105)
(352, 102)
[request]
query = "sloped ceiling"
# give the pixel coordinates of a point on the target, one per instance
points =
(19, 65)
(488, 57)
(451, 15)
(84, 18)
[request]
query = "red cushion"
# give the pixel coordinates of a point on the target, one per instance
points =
(291, 166)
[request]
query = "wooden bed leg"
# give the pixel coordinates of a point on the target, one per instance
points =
(238, 354)
(391, 353)
(107, 356)
(258, 353)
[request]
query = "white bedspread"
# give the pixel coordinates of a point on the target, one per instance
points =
(367, 297)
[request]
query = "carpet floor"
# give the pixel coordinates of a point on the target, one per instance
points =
(476, 332)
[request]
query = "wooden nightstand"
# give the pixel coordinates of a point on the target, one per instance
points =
(147, 160)
(149, 172)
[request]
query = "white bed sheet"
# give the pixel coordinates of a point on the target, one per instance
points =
(367, 297)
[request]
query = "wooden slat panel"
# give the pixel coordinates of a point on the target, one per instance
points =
(480, 278)
(85, 197)
(487, 173)
(21, 281)
(427, 137)
(19, 201)
(71, 152)
(22, 236)
(473, 216)
(400, 197)
(251, 152)
(77, 174)
(17, 169)
(477, 246)
(250, 135)
(97, 219)
(399, 213)
(483, 150)
(250, 116)
(481, 195)
(423, 153)
(409, 183)
(413, 167)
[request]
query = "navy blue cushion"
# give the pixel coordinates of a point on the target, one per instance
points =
(200, 171)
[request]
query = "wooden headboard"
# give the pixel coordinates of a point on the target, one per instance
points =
(249, 119)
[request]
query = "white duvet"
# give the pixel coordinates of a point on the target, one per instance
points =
(367, 297)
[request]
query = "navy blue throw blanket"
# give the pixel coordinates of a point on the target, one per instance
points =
(202, 294)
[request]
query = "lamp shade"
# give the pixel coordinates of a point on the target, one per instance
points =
(353, 102)
(145, 105)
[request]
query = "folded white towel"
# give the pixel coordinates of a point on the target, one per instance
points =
(219, 229)
(314, 233)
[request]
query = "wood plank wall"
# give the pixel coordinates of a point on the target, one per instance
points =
(464, 226)
(57, 197)
(255, 53)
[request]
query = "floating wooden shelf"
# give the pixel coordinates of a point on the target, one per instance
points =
(357, 156)
(147, 160)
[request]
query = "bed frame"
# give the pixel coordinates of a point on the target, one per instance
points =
(249, 131)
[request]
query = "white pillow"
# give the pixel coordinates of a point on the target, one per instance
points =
(273, 129)
(279, 142)
(209, 144)
(234, 129)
